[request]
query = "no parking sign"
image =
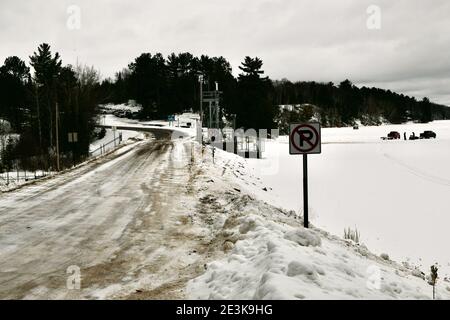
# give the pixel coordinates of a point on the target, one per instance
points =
(304, 139)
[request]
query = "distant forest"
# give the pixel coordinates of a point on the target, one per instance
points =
(344, 104)
(28, 104)
(170, 85)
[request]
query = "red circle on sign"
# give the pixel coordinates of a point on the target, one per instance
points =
(312, 146)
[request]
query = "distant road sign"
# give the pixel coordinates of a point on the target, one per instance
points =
(305, 139)
(73, 137)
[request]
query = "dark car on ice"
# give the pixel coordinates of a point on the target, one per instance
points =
(393, 135)
(428, 135)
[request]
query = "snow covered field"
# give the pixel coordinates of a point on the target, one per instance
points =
(356, 183)
(395, 192)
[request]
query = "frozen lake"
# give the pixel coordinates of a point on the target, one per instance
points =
(396, 193)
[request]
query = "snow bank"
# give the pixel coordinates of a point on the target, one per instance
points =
(109, 137)
(121, 107)
(278, 262)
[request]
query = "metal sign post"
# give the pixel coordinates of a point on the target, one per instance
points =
(171, 120)
(73, 138)
(57, 135)
(305, 139)
(114, 129)
(213, 139)
(200, 80)
(305, 191)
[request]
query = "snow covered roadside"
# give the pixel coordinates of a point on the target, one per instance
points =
(77, 170)
(13, 179)
(107, 140)
(271, 256)
(121, 107)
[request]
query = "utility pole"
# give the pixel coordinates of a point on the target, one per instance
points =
(210, 115)
(38, 116)
(57, 136)
(217, 106)
(200, 133)
(114, 132)
(200, 80)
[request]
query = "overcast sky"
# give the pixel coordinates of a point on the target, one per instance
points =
(297, 39)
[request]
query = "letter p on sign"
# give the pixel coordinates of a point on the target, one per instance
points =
(305, 138)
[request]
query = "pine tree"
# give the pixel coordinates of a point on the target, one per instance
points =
(426, 112)
(14, 77)
(251, 67)
(256, 109)
(46, 70)
(148, 81)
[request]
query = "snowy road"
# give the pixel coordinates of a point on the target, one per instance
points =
(123, 221)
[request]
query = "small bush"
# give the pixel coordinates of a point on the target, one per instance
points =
(102, 133)
(384, 256)
(353, 235)
(432, 279)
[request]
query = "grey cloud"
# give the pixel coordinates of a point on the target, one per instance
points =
(319, 40)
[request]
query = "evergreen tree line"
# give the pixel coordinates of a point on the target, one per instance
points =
(344, 104)
(170, 85)
(165, 86)
(28, 104)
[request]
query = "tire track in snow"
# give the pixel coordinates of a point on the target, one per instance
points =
(418, 173)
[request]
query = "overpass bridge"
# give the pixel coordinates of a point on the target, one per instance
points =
(160, 133)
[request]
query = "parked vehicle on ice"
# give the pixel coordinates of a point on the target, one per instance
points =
(393, 135)
(428, 135)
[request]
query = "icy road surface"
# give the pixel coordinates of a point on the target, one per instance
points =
(122, 220)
